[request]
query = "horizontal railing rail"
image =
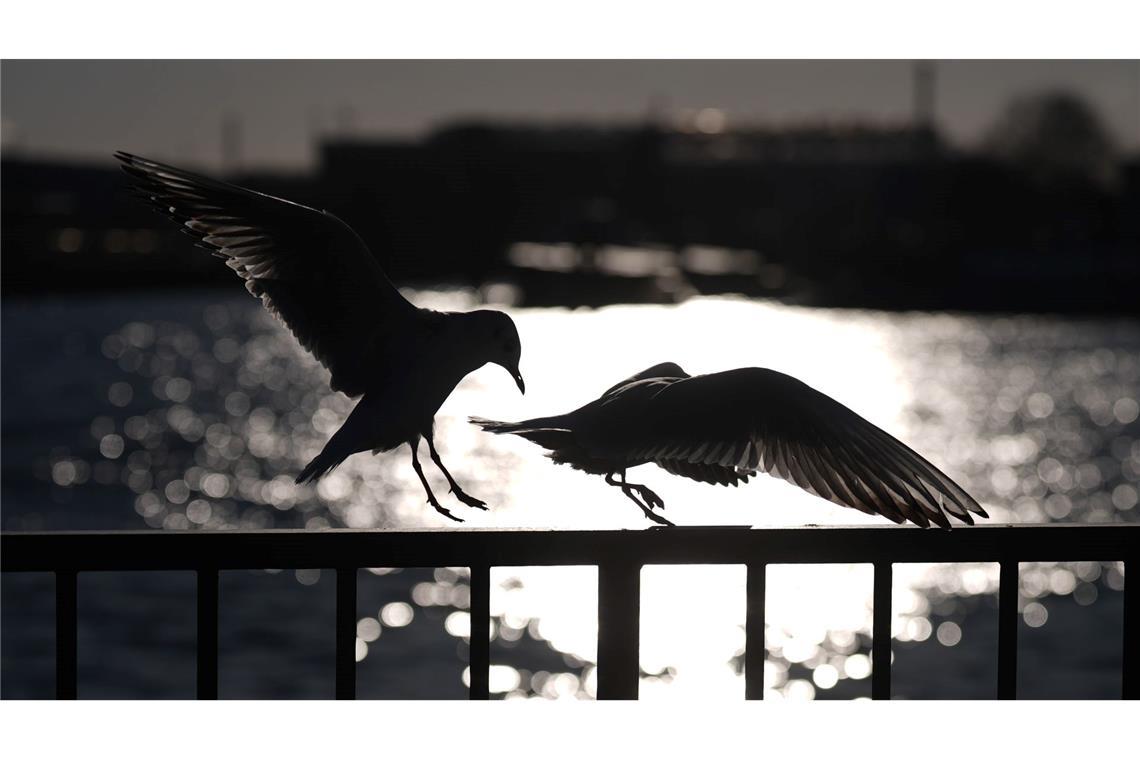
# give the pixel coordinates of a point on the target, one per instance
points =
(619, 556)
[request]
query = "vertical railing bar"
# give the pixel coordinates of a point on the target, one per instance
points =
(619, 624)
(754, 647)
(1007, 630)
(479, 651)
(208, 633)
(881, 631)
(1130, 675)
(66, 634)
(346, 633)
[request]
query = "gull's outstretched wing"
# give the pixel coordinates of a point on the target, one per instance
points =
(308, 268)
(664, 369)
(757, 419)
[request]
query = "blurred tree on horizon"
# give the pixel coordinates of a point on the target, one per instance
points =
(1057, 138)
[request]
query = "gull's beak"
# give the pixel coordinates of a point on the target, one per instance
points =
(513, 371)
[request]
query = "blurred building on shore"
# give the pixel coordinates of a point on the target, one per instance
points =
(847, 214)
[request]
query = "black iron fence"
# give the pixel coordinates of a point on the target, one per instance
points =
(619, 556)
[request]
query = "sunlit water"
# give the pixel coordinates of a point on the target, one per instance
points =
(196, 413)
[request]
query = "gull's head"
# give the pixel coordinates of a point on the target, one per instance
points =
(499, 339)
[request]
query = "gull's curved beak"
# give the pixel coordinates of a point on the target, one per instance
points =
(512, 369)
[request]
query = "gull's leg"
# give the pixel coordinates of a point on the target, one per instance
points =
(470, 501)
(420, 471)
(651, 499)
(629, 489)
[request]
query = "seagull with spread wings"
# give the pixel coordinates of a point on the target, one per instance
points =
(723, 428)
(315, 274)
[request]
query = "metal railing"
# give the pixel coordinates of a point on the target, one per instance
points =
(619, 556)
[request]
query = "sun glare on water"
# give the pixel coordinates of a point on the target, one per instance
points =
(217, 417)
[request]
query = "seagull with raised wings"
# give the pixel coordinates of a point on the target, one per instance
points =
(723, 428)
(317, 276)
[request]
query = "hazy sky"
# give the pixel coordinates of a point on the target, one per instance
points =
(174, 109)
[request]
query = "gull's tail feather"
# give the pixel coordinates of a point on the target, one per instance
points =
(494, 426)
(322, 465)
(548, 432)
(538, 423)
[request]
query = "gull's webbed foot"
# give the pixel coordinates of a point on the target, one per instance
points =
(656, 517)
(652, 500)
(469, 500)
(443, 510)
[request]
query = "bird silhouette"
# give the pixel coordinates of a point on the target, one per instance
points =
(316, 275)
(723, 428)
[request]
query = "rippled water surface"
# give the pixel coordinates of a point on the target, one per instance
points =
(194, 412)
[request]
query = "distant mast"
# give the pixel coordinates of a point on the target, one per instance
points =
(231, 144)
(924, 142)
(923, 76)
(346, 121)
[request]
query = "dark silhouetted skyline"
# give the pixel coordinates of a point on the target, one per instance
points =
(273, 112)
